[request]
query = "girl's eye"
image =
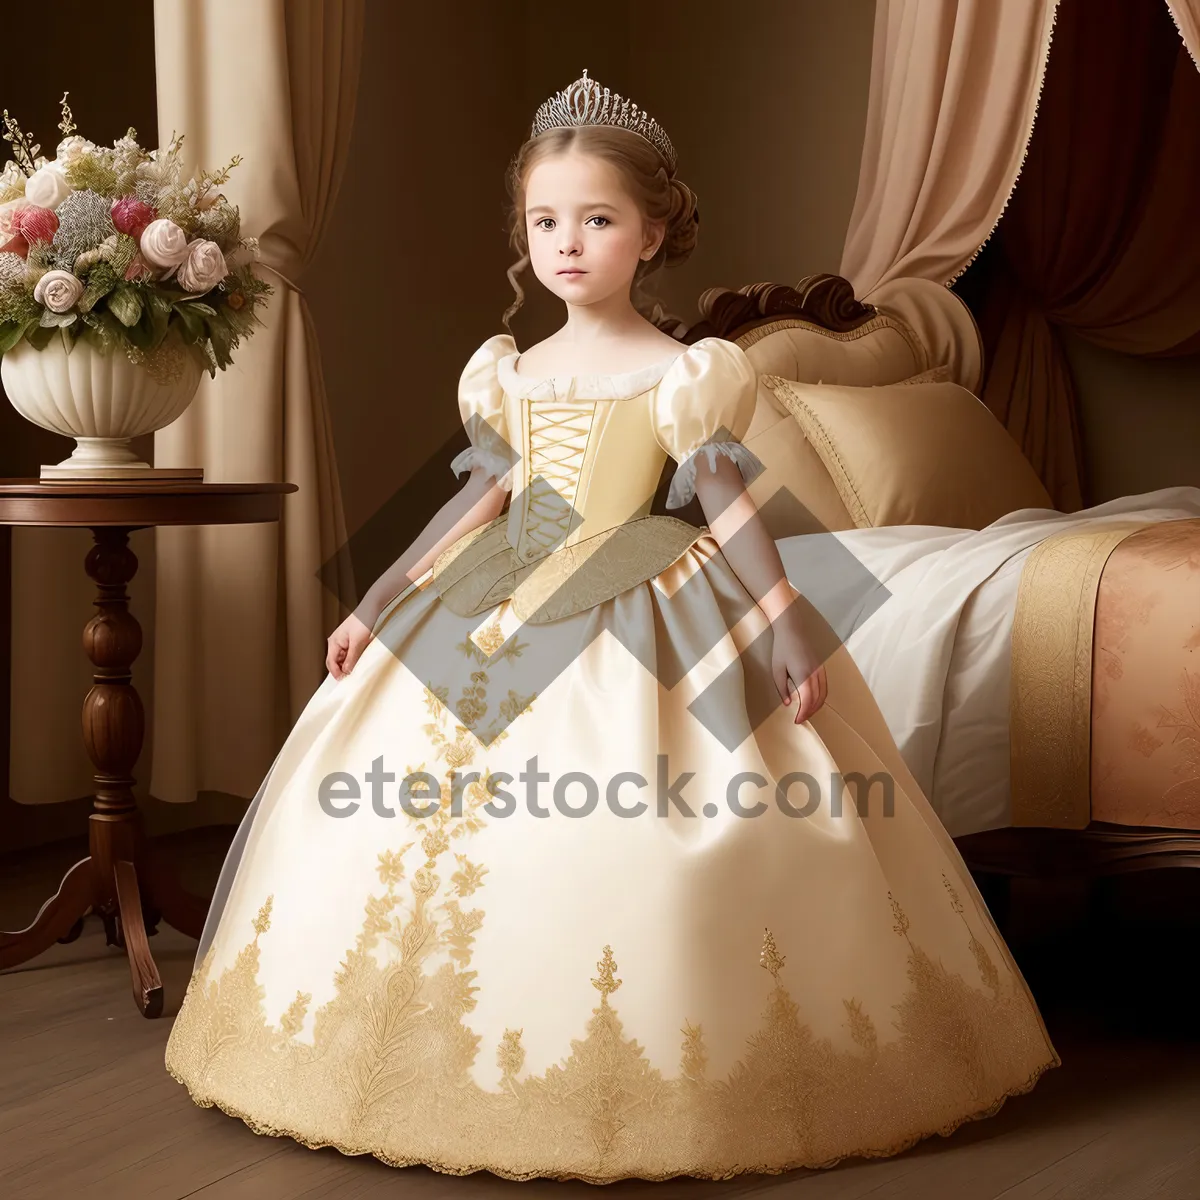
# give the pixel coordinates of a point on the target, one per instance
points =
(542, 224)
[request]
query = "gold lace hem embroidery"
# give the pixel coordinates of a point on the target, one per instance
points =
(388, 1069)
(266, 1130)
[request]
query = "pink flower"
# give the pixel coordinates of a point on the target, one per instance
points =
(137, 268)
(131, 215)
(17, 245)
(37, 224)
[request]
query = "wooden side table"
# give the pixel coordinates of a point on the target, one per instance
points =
(123, 880)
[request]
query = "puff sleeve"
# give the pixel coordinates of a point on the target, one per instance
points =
(481, 406)
(704, 405)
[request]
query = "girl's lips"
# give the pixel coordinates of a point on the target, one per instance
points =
(572, 272)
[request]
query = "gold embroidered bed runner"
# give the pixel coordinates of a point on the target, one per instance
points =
(1050, 698)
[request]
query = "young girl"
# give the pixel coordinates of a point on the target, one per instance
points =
(581, 862)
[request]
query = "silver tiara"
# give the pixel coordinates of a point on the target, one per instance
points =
(585, 102)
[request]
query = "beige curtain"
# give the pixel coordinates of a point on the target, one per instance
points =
(242, 615)
(954, 93)
(1186, 14)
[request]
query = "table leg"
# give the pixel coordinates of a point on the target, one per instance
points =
(57, 920)
(5, 652)
(147, 986)
(123, 880)
(113, 730)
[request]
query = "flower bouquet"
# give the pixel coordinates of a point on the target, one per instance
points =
(121, 280)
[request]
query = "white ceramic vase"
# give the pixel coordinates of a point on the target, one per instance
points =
(101, 400)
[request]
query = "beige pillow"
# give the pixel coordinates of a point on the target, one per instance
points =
(795, 493)
(914, 453)
(933, 375)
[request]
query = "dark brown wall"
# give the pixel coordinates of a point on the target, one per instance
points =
(766, 108)
(1140, 419)
(104, 56)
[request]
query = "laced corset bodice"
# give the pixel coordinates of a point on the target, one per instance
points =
(582, 456)
(558, 435)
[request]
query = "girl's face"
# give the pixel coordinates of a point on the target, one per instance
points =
(586, 234)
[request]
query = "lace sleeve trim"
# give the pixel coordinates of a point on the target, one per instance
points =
(494, 464)
(683, 482)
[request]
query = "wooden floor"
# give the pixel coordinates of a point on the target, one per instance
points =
(88, 1110)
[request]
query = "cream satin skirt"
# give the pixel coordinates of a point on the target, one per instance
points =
(556, 988)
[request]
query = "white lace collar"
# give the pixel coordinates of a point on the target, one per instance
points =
(620, 385)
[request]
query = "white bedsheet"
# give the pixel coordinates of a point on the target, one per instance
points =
(935, 653)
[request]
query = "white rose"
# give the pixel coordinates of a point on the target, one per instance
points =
(164, 244)
(48, 186)
(57, 290)
(70, 148)
(204, 268)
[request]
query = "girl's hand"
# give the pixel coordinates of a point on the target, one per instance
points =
(346, 644)
(794, 664)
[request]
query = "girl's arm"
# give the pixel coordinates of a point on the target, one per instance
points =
(477, 502)
(751, 551)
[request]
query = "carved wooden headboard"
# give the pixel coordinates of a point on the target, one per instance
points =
(826, 335)
(825, 301)
(817, 332)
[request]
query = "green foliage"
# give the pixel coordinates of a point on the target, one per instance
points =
(221, 224)
(175, 207)
(135, 317)
(123, 253)
(126, 305)
(100, 281)
(40, 336)
(241, 320)
(93, 173)
(102, 330)
(207, 180)
(41, 258)
(250, 283)
(152, 326)
(222, 340)
(17, 306)
(11, 332)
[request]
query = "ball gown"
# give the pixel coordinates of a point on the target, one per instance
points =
(551, 884)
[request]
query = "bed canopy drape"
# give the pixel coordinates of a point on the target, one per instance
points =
(967, 98)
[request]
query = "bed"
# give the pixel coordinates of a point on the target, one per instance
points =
(1039, 670)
